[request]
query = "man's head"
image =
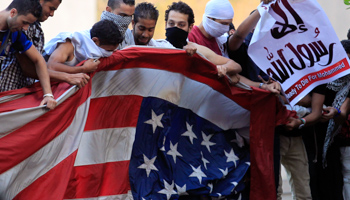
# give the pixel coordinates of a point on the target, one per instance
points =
(346, 45)
(217, 17)
(22, 13)
(106, 35)
(144, 23)
(49, 8)
(180, 15)
(121, 7)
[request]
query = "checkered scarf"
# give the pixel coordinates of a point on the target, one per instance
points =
(120, 21)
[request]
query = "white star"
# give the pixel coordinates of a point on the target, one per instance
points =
(206, 141)
(231, 157)
(211, 186)
(173, 151)
(148, 165)
(189, 133)
(155, 121)
(197, 172)
(234, 185)
(239, 140)
(181, 190)
(163, 147)
(224, 172)
(168, 190)
(248, 163)
(205, 161)
(219, 195)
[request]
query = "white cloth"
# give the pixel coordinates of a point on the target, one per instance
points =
(128, 40)
(84, 46)
(160, 43)
(219, 9)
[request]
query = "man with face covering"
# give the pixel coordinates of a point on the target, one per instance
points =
(120, 12)
(68, 49)
(216, 20)
(179, 20)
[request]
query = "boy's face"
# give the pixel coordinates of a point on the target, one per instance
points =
(49, 8)
(143, 31)
(179, 20)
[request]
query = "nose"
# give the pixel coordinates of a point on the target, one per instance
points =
(145, 34)
(52, 13)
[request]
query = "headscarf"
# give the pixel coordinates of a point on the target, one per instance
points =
(219, 9)
(121, 21)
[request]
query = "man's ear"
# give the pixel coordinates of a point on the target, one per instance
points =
(132, 23)
(108, 9)
(96, 41)
(13, 12)
(190, 28)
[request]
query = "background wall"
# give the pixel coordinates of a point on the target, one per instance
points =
(76, 15)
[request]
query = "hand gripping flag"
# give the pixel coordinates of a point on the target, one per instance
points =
(150, 124)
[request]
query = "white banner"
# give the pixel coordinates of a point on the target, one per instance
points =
(295, 44)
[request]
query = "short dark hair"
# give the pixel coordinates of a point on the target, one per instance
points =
(348, 35)
(183, 8)
(116, 3)
(346, 45)
(25, 7)
(145, 11)
(107, 33)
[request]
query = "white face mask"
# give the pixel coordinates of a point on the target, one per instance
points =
(214, 28)
(105, 53)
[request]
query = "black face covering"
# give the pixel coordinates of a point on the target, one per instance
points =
(176, 36)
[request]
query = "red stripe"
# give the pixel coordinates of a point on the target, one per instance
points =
(51, 185)
(195, 68)
(113, 112)
(99, 180)
(25, 141)
(34, 96)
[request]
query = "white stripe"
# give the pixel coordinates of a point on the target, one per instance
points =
(11, 97)
(22, 175)
(175, 88)
(105, 145)
(127, 196)
(13, 120)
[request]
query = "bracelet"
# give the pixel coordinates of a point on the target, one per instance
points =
(337, 113)
(303, 120)
(48, 95)
(261, 84)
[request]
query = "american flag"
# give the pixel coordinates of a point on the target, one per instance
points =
(150, 124)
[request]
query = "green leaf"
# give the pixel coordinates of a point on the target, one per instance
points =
(347, 2)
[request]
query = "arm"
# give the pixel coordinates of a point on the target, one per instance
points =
(316, 107)
(28, 69)
(224, 65)
(41, 70)
(273, 87)
(331, 112)
(236, 39)
(64, 52)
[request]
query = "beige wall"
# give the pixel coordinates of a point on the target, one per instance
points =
(75, 15)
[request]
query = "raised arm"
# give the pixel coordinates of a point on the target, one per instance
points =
(43, 75)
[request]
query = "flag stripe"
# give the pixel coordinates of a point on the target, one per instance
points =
(21, 143)
(113, 112)
(105, 145)
(175, 88)
(52, 184)
(127, 196)
(42, 161)
(99, 180)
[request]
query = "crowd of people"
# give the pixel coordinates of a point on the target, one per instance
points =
(314, 148)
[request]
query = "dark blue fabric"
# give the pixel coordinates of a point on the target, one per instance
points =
(18, 43)
(175, 119)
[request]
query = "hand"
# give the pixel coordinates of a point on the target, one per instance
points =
(190, 48)
(50, 102)
(79, 79)
(222, 70)
(328, 113)
(234, 79)
(293, 123)
(265, 82)
(273, 87)
(90, 65)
